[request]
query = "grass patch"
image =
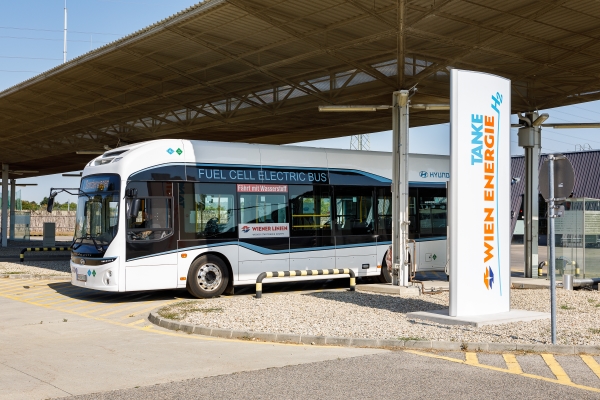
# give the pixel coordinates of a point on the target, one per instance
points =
(595, 331)
(566, 307)
(181, 310)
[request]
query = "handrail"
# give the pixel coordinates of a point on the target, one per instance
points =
(308, 272)
(22, 255)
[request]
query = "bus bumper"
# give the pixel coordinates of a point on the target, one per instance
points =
(99, 277)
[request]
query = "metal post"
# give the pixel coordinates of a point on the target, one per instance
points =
(551, 261)
(65, 36)
(4, 204)
(530, 140)
(12, 208)
(400, 187)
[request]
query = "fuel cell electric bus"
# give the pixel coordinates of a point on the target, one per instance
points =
(208, 216)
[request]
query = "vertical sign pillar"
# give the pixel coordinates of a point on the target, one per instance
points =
(400, 188)
(479, 194)
(4, 204)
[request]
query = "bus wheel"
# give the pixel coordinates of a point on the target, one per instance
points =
(385, 276)
(208, 277)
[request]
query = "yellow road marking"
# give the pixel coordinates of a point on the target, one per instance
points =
(556, 369)
(61, 294)
(20, 288)
(590, 362)
(145, 310)
(139, 321)
(512, 364)
(150, 328)
(127, 308)
(507, 371)
(67, 300)
(471, 358)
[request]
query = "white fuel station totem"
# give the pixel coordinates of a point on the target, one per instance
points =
(479, 194)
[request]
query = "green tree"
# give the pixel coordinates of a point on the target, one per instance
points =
(29, 205)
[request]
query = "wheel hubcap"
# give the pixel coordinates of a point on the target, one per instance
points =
(209, 277)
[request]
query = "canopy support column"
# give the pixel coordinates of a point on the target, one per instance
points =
(530, 138)
(400, 188)
(4, 204)
(12, 208)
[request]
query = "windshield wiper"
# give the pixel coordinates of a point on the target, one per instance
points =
(87, 236)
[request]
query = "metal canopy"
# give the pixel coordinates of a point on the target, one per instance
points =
(256, 70)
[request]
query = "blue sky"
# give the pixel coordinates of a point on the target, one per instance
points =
(31, 42)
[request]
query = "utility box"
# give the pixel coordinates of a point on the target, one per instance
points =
(49, 238)
(577, 238)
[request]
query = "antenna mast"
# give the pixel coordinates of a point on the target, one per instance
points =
(65, 36)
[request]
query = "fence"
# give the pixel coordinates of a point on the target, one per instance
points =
(32, 222)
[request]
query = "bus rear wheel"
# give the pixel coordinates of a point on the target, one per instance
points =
(208, 277)
(385, 276)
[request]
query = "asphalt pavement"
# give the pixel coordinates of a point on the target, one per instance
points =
(391, 375)
(57, 340)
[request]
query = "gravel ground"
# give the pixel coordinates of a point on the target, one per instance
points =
(60, 268)
(369, 315)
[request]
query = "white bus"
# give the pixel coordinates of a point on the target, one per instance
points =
(208, 216)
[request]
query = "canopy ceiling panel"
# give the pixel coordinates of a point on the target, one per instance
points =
(257, 70)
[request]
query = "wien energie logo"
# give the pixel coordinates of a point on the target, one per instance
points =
(488, 278)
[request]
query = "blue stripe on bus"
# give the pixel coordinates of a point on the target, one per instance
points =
(367, 174)
(261, 250)
(430, 239)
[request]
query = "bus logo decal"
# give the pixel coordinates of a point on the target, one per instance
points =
(245, 229)
(488, 278)
(423, 174)
(178, 151)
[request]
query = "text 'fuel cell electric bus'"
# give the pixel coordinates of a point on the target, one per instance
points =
(208, 216)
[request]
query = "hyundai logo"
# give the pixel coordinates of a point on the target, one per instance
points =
(423, 174)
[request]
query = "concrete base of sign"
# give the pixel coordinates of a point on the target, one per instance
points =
(386, 288)
(442, 317)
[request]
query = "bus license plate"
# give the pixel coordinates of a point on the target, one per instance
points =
(82, 277)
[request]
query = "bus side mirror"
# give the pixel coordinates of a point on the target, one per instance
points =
(51, 201)
(134, 208)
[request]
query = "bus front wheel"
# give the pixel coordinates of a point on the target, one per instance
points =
(208, 277)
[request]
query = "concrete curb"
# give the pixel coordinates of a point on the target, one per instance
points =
(377, 343)
(30, 276)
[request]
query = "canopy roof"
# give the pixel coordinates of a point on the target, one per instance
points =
(256, 71)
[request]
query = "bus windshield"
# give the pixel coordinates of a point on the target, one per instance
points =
(97, 212)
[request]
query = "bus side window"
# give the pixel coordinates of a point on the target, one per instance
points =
(154, 220)
(354, 210)
(384, 211)
(263, 208)
(207, 210)
(432, 212)
(311, 210)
